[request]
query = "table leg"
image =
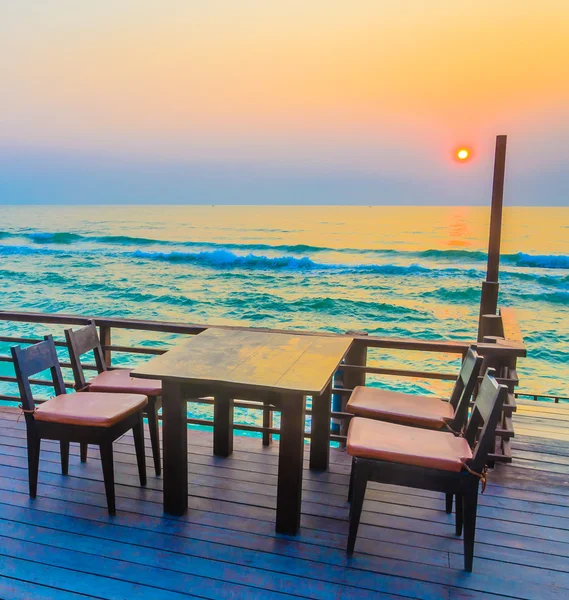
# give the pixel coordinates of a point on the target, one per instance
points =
(320, 430)
(175, 441)
(291, 455)
(223, 426)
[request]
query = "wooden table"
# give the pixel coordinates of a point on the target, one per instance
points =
(250, 365)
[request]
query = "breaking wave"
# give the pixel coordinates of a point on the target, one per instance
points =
(519, 259)
(226, 259)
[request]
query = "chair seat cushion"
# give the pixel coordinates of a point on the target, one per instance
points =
(90, 408)
(407, 409)
(119, 381)
(396, 443)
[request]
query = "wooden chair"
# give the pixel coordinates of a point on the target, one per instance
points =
(432, 460)
(426, 412)
(114, 381)
(86, 418)
(421, 411)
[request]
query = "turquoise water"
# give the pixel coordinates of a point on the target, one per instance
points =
(390, 271)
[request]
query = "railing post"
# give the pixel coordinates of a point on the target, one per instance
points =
(267, 423)
(105, 337)
(489, 296)
(491, 325)
(505, 370)
(357, 355)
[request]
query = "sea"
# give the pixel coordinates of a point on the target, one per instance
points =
(390, 271)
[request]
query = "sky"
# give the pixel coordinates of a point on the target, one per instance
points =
(256, 102)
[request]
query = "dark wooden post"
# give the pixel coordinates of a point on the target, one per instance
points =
(357, 355)
(175, 442)
(267, 423)
(491, 325)
(490, 287)
(105, 337)
(223, 409)
(505, 365)
(320, 430)
(291, 457)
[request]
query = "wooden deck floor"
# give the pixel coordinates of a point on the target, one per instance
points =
(64, 545)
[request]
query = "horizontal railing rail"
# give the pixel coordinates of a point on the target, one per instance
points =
(555, 397)
(445, 346)
(354, 370)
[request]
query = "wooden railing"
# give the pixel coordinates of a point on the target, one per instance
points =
(498, 353)
(536, 397)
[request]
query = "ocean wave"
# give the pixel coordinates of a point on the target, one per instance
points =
(543, 261)
(23, 250)
(62, 237)
(466, 295)
(449, 254)
(558, 297)
(546, 280)
(40, 277)
(170, 299)
(226, 259)
(519, 259)
(54, 238)
(223, 259)
(362, 308)
(338, 308)
(326, 304)
(126, 240)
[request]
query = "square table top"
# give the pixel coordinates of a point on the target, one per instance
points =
(278, 362)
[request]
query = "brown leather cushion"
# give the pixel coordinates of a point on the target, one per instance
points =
(119, 381)
(407, 409)
(89, 408)
(406, 445)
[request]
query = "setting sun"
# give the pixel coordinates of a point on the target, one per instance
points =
(462, 154)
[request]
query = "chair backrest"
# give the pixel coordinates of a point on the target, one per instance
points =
(464, 387)
(32, 360)
(80, 342)
(486, 413)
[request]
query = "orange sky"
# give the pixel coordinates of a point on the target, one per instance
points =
(365, 86)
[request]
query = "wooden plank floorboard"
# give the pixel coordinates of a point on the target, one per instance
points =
(15, 589)
(391, 546)
(225, 547)
(196, 531)
(268, 515)
(529, 513)
(433, 518)
(224, 469)
(153, 569)
(387, 502)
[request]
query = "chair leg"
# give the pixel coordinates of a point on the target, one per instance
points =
(351, 488)
(138, 433)
(106, 449)
(459, 514)
(84, 448)
(449, 503)
(358, 494)
(152, 414)
(33, 463)
(470, 502)
(64, 451)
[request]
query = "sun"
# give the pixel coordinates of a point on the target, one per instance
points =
(463, 154)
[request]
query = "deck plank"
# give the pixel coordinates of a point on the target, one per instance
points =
(225, 547)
